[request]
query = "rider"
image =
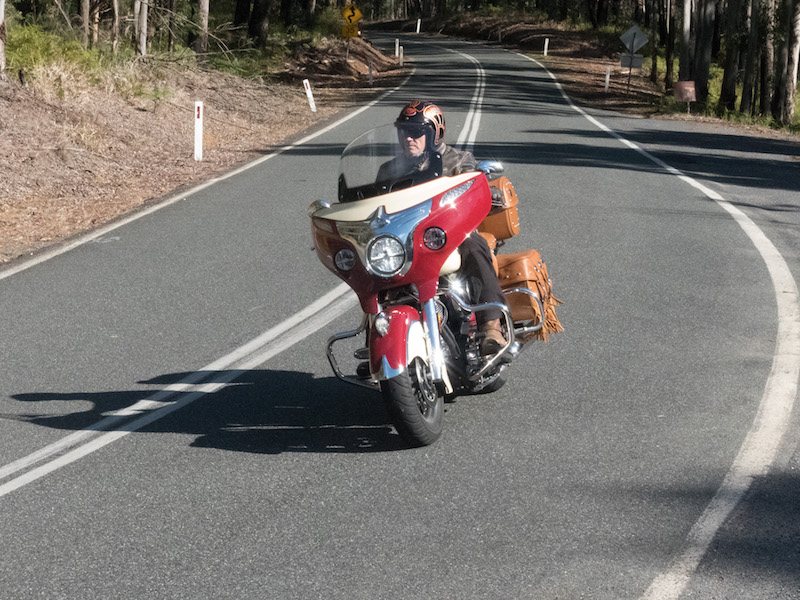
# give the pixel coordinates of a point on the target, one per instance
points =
(420, 127)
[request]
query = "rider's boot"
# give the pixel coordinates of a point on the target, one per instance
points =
(493, 340)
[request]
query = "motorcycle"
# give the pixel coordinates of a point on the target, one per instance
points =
(393, 237)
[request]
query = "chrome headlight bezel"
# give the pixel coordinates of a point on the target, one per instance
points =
(392, 258)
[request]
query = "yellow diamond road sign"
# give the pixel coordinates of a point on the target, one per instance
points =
(351, 14)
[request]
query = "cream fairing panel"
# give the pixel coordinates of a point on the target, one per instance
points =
(393, 202)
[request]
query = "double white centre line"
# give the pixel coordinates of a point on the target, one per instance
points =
(225, 370)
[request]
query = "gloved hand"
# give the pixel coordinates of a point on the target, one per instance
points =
(497, 197)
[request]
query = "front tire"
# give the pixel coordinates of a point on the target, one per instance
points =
(415, 405)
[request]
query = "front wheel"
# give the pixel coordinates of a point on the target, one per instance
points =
(415, 405)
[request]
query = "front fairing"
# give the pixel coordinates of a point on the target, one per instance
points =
(456, 205)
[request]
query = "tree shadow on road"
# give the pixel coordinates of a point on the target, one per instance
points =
(259, 411)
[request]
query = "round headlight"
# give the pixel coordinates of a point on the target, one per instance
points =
(386, 255)
(345, 259)
(434, 238)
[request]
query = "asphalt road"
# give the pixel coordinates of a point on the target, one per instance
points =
(584, 477)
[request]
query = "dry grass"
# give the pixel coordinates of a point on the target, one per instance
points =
(77, 153)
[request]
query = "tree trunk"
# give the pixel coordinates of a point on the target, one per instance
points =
(746, 106)
(768, 61)
(2, 40)
(311, 9)
(95, 12)
(286, 12)
(783, 102)
(201, 46)
(591, 11)
(141, 42)
(727, 96)
(137, 5)
(242, 13)
(794, 62)
(115, 26)
(654, 40)
(85, 23)
(686, 62)
(173, 17)
(705, 40)
(258, 28)
(669, 76)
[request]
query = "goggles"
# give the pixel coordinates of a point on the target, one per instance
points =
(413, 130)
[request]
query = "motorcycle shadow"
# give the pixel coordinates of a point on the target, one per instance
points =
(271, 412)
(259, 411)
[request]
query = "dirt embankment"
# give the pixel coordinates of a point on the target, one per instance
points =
(75, 153)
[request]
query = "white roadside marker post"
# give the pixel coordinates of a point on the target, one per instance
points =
(396, 47)
(608, 77)
(307, 85)
(546, 45)
(401, 56)
(198, 131)
(419, 24)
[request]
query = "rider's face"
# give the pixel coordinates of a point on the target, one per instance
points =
(413, 141)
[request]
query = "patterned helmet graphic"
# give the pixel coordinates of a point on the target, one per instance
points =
(424, 113)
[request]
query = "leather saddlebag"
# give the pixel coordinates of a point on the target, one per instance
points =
(503, 220)
(527, 270)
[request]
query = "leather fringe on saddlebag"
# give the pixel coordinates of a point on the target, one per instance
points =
(527, 269)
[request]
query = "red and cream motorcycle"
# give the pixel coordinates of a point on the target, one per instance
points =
(393, 237)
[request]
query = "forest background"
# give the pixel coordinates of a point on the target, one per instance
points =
(93, 93)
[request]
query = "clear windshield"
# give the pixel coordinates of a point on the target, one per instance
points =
(382, 160)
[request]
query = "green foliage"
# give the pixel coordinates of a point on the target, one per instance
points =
(328, 23)
(29, 46)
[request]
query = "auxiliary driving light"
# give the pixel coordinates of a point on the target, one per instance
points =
(345, 259)
(434, 238)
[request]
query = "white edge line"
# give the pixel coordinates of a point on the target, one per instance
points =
(98, 233)
(760, 447)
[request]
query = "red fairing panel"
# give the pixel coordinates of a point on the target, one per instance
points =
(394, 345)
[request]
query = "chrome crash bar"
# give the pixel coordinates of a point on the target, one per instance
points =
(367, 383)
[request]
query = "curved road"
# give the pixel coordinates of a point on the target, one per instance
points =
(171, 429)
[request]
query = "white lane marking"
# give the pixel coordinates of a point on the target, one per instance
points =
(304, 321)
(760, 447)
(150, 403)
(99, 233)
(469, 133)
(225, 370)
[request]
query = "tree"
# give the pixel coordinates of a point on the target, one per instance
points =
(686, 63)
(115, 26)
(705, 40)
(751, 62)
(2, 39)
(85, 22)
(258, 27)
(141, 41)
(202, 40)
(768, 61)
(783, 102)
(727, 97)
(669, 76)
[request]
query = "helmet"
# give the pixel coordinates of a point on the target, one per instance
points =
(422, 113)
